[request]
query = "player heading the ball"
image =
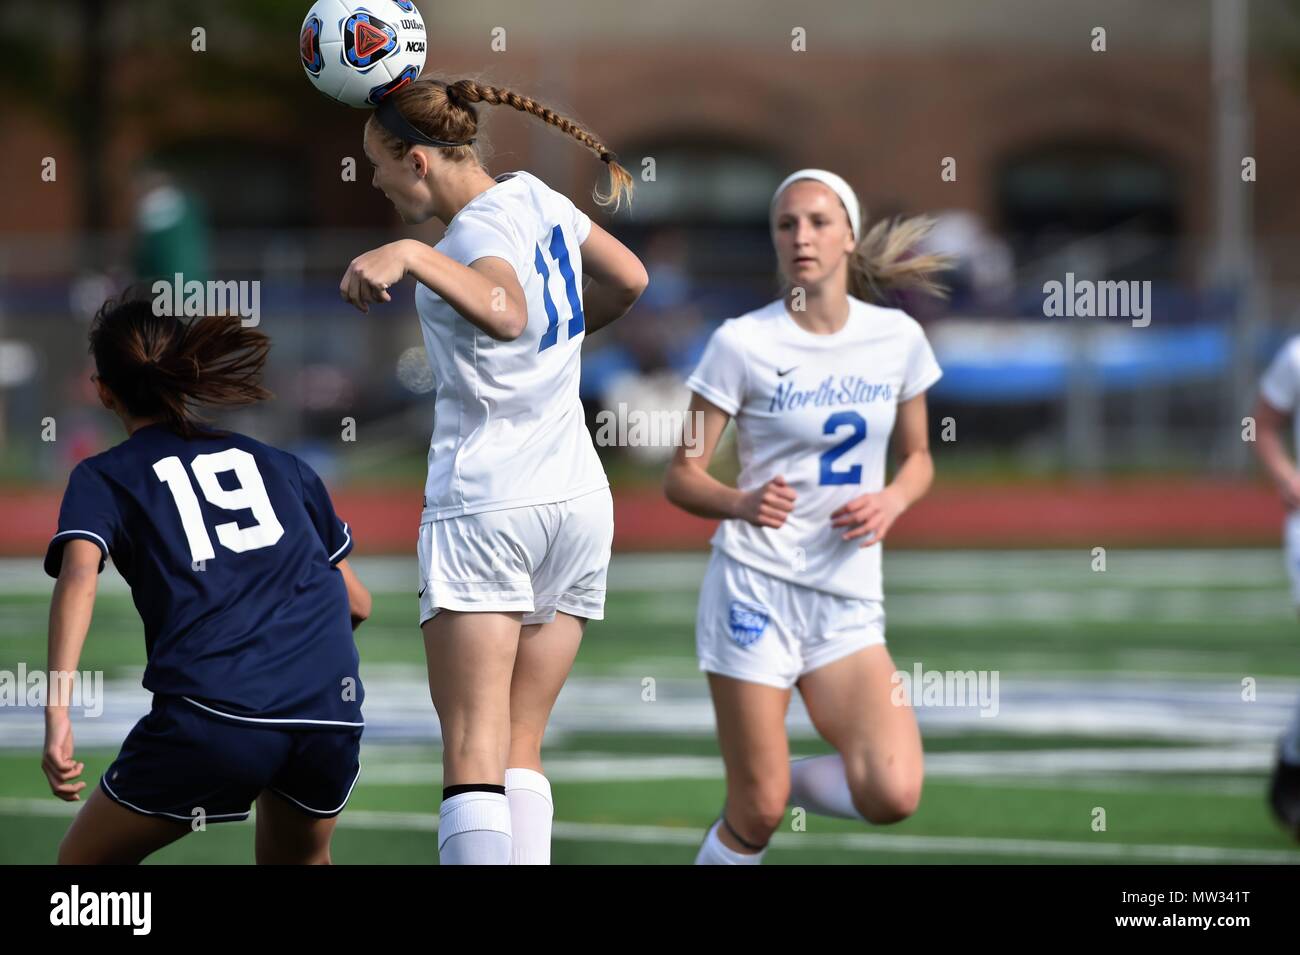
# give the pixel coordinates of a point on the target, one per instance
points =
(515, 535)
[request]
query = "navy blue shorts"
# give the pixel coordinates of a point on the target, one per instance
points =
(178, 760)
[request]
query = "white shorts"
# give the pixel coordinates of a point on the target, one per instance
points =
(535, 560)
(1291, 532)
(759, 628)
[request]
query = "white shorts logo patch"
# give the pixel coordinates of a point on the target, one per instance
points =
(747, 623)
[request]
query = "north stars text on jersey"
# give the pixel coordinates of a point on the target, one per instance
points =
(849, 390)
(817, 410)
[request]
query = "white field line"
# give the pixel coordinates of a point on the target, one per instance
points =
(954, 589)
(397, 709)
(380, 769)
(865, 842)
(1123, 770)
(976, 570)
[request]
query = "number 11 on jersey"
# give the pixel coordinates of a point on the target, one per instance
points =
(560, 253)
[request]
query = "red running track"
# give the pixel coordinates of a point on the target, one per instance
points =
(1148, 512)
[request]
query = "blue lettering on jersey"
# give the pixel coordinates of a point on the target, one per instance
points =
(852, 390)
(833, 424)
(559, 252)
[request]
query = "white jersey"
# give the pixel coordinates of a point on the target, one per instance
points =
(1280, 386)
(817, 410)
(509, 429)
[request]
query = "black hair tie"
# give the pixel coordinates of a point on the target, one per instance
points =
(391, 118)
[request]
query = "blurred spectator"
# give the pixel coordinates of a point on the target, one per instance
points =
(983, 281)
(665, 320)
(170, 233)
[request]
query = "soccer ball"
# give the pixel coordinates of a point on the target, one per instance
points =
(358, 53)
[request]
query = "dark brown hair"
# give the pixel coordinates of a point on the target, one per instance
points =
(446, 111)
(162, 367)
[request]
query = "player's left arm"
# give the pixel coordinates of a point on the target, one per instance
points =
(617, 279)
(70, 611)
(874, 514)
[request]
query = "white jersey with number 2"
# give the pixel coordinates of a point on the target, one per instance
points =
(817, 410)
(509, 429)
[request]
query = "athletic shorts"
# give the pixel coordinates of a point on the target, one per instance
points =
(532, 560)
(179, 760)
(759, 628)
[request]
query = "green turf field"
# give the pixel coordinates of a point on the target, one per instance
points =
(1152, 692)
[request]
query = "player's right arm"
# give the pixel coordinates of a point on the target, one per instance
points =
(486, 293)
(617, 279)
(1270, 448)
(70, 613)
(689, 485)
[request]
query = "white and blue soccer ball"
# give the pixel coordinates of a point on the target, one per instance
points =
(358, 53)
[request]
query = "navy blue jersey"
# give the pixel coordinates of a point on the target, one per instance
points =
(229, 547)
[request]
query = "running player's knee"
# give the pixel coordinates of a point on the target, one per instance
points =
(757, 812)
(754, 824)
(889, 800)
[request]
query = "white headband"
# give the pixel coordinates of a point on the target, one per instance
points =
(837, 185)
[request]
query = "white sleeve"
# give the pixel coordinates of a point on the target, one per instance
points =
(721, 374)
(922, 367)
(477, 235)
(581, 225)
(1278, 386)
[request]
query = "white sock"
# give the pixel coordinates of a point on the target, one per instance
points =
(1291, 741)
(713, 852)
(474, 829)
(819, 785)
(531, 811)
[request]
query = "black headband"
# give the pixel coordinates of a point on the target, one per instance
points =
(391, 118)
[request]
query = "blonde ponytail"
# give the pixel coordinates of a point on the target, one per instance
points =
(881, 265)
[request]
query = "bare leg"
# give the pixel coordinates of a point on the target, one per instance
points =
(545, 657)
(850, 702)
(546, 654)
(105, 833)
(471, 657)
(756, 751)
(287, 836)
